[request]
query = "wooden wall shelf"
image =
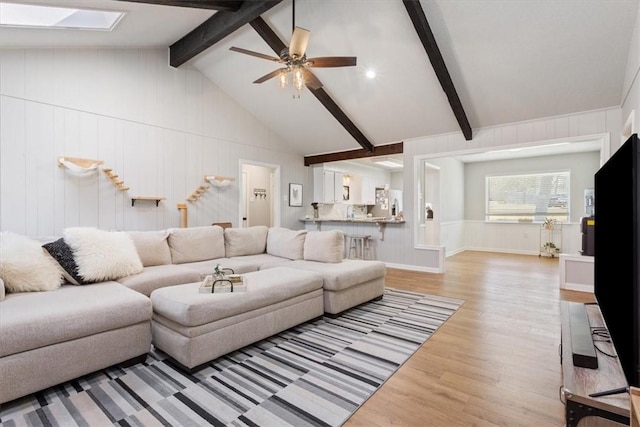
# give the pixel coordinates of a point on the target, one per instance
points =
(152, 198)
(114, 179)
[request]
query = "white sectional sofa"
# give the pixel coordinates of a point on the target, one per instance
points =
(73, 329)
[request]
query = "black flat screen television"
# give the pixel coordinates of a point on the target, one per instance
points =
(617, 253)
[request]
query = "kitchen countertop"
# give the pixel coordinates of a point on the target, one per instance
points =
(374, 220)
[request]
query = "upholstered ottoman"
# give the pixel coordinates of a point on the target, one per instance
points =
(347, 283)
(195, 328)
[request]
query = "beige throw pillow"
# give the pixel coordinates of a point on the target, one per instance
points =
(152, 247)
(324, 246)
(286, 243)
(1, 289)
(245, 241)
(196, 243)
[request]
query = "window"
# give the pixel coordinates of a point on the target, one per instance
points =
(527, 198)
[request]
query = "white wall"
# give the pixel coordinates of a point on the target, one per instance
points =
(161, 130)
(631, 89)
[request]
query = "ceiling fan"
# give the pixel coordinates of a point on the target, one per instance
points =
(296, 63)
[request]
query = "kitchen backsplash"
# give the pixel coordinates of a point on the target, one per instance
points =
(339, 210)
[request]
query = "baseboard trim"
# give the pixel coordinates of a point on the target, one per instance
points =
(414, 268)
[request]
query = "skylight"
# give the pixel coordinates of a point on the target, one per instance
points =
(38, 16)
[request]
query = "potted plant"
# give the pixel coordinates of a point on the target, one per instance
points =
(551, 249)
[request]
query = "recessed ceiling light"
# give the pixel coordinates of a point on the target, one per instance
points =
(388, 162)
(38, 16)
(371, 74)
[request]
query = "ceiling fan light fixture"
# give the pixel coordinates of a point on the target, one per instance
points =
(298, 78)
(283, 78)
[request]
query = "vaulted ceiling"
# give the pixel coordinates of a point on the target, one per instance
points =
(508, 61)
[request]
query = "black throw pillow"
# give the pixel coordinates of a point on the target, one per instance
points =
(63, 254)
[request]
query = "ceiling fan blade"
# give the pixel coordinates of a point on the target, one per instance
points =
(269, 76)
(299, 41)
(332, 61)
(252, 53)
(310, 80)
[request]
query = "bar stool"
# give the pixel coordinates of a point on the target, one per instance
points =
(359, 247)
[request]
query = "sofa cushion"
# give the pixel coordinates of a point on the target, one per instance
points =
(102, 255)
(245, 241)
(286, 243)
(63, 255)
(34, 320)
(152, 247)
(345, 274)
(259, 261)
(324, 246)
(2, 293)
(196, 243)
(159, 276)
(238, 265)
(25, 267)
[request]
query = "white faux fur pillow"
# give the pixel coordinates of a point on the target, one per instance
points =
(102, 255)
(1, 289)
(324, 246)
(24, 267)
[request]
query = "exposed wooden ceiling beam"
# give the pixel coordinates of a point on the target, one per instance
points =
(268, 35)
(341, 117)
(276, 44)
(228, 5)
(378, 150)
(419, 19)
(214, 29)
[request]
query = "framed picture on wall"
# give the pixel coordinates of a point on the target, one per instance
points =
(295, 194)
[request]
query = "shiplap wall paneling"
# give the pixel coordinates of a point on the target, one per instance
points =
(193, 174)
(175, 169)
(110, 196)
(40, 194)
(13, 165)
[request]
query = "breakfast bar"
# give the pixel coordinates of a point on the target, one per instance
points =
(375, 228)
(380, 222)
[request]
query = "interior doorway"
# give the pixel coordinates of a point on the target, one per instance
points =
(428, 206)
(260, 194)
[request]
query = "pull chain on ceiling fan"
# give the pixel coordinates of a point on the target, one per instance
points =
(295, 61)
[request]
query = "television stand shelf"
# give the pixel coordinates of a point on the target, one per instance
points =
(579, 383)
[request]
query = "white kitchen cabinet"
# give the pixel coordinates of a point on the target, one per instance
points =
(368, 191)
(355, 190)
(327, 186)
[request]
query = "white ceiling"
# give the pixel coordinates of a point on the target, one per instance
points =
(509, 60)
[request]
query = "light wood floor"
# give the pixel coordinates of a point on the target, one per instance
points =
(493, 363)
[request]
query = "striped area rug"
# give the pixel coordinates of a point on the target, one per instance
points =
(316, 374)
